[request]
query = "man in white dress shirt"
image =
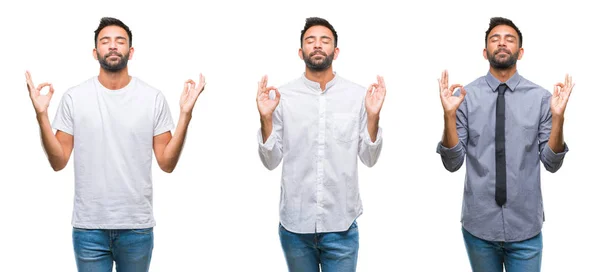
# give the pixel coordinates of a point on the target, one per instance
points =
(318, 125)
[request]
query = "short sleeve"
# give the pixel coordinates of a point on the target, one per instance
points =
(163, 120)
(63, 120)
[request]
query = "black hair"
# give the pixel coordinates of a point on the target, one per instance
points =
(109, 21)
(316, 21)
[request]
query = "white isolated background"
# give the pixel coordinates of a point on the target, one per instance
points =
(218, 211)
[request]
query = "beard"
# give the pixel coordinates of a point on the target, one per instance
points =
(318, 65)
(502, 64)
(113, 67)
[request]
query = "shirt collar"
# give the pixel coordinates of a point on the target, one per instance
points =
(512, 82)
(316, 86)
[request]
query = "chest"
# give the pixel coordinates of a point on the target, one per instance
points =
(118, 115)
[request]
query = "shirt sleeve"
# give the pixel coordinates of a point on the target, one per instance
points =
(271, 151)
(552, 161)
(63, 120)
(163, 121)
(453, 157)
(368, 151)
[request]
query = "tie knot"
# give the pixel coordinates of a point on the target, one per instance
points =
(502, 88)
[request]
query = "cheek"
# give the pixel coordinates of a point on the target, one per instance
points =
(100, 50)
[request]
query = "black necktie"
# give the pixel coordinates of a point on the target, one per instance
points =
(500, 151)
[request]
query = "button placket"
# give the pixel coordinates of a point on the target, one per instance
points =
(321, 157)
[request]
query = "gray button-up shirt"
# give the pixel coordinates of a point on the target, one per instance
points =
(528, 123)
(319, 135)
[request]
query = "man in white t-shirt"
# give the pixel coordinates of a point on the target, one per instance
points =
(113, 121)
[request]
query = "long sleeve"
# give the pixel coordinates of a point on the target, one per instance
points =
(453, 157)
(552, 161)
(271, 151)
(368, 151)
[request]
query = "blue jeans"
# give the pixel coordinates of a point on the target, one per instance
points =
(522, 256)
(96, 249)
(334, 251)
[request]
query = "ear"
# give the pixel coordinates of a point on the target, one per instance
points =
(336, 52)
(521, 52)
(131, 51)
(300, 54)
(95, 53)
(485, 53)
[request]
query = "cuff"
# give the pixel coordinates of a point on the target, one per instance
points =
(378, 138)
(448, 152)
(549, 154)
(269, 144)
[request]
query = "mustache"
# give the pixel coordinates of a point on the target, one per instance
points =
(502, 50)
(113, 54)
(319, 52)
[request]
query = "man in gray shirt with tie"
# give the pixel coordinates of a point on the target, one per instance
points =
(318, 125)
(505, 125)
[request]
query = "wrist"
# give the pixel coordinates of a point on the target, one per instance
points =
(449, 115)
(557, 119)
(186, 115)
(41, 115)
(268, 118)
(373, 117)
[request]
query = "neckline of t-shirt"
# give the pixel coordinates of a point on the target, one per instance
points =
(119, 91)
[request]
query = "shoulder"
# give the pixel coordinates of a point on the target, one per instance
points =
(145, 88)
(532, 88)
(81, 88)
(351, 86)
(291, 85)
(477, 84)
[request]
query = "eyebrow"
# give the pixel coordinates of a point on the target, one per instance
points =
(314, 37)
(118, 38)
(498, 35)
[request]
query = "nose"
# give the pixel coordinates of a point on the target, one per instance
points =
(112, 45)
(502, 42)
(318, 44)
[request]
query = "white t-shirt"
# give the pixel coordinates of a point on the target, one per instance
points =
(113, 132)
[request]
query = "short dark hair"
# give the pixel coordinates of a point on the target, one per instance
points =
(316, 21)
(109, 21)
(496, 21)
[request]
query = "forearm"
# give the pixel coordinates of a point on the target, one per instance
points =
(373, 126)
(370, 149)
(556, 141)
(450, 136)
(269, 145)
(52, 147)
(173, 149)
(266, 127)
(450, 149)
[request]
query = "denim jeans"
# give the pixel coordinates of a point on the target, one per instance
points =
(97, 249)
(487, 256)
(334, 251)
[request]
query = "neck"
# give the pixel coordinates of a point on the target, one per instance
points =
(503, 74)
(114, 80)
(322, 77)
